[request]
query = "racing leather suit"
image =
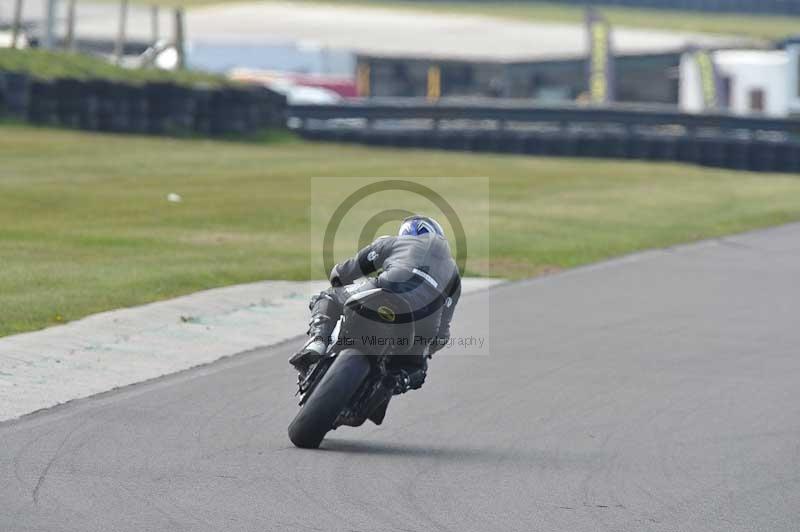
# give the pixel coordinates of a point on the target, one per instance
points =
(419, 268)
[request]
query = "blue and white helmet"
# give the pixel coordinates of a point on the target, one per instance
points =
(419, 225)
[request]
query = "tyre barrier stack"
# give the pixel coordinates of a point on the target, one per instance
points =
(159, 108)
(721, 151)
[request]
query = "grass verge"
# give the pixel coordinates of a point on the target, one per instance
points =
(85, 225)
(44, 64)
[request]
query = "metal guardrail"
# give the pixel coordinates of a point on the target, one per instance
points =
(622, 132)
(775, 7)
(516, 112)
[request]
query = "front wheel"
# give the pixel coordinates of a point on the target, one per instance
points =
(328, 399)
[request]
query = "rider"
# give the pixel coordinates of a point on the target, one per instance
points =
(417, 265)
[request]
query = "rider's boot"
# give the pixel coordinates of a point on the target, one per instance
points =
(310, 353)
(319, 331)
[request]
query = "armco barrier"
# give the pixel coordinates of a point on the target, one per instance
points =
(761, 7)
(622, 132)
(156, 108)
(510, 112)
(764, 7)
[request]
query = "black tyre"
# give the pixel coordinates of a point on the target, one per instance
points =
(331, 395)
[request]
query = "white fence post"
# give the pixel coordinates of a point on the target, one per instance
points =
(69, 40)
(17, 22)
(154, 23)
(180, 47)
(49, 25)
(119, 45)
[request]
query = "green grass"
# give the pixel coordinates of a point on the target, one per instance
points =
(50, 65)
(85, 225)
(762, 27)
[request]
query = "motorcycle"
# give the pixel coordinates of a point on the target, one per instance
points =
(375, 352)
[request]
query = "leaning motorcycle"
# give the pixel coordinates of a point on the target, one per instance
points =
(376, 351)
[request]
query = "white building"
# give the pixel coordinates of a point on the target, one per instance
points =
(754, 81)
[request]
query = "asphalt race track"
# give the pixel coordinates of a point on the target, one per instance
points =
(658, 392)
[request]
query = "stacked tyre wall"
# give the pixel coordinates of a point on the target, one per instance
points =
(722, 152)
(160, 108)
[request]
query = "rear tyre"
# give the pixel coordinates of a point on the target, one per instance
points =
(329, 398)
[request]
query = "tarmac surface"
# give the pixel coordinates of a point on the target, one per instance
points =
(367, 30)
(657, 392)
(411, 33)
(109, 350)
